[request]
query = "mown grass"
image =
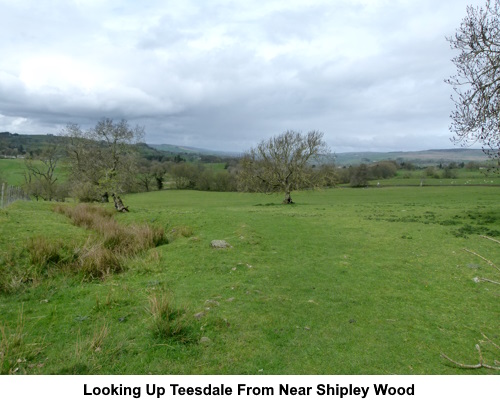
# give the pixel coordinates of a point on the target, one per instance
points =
(345, 281)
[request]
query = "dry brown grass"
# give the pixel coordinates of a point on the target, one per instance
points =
(100, 334)
(85, 215)
(103, 253)
(43, 252)
(123, 240)
(96, 261)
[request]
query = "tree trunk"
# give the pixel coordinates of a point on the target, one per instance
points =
(119, 204)
(288, 198)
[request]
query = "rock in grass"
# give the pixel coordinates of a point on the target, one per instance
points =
(205, 340)
(220, 244)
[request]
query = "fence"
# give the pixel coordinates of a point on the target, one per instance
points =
(11, 194)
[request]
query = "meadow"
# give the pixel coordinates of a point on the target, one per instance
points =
(345, 281)
(12, 171)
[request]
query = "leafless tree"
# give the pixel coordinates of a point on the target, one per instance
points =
(282, 164)
(39, 176)
(476, 118)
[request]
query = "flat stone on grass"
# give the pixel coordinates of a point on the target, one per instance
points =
(220, 244)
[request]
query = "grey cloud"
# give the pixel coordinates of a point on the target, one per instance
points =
(223, 75)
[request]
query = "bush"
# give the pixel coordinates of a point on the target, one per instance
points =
(383, 170)
(431, 172)
(85, 192)
(359, 176)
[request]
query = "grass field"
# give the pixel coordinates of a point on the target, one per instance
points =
(345, 281)
(464, 177)
(12, 171)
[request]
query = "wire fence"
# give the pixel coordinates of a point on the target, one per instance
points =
(9, 194)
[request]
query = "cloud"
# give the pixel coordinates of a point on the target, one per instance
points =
(224, 74)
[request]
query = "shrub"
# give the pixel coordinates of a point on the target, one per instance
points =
(85, 192)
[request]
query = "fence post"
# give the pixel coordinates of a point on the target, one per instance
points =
(3, 189)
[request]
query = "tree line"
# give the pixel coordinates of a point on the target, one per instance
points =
(112, 159)
(107, 159)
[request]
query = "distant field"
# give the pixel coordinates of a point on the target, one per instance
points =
(12, 171)
(346, 281)
(464, 177)
(421, 157)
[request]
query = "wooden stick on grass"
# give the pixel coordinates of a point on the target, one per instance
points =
(481, 363)
(484, 258)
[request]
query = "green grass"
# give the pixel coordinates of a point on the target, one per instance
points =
(345, 281)
(12, 171)
(464, 177)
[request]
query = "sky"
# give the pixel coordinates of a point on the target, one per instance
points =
(224, 75)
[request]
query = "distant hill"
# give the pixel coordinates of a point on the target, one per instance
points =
(426, 157)
(12, 145)
(190, 149)
(17, 144)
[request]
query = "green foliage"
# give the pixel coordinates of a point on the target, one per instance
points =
(359, 176)
(209, 177)
(283, 163)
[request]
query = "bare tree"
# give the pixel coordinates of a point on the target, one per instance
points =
(282, 164)
(40, 179)
(477, 83)
(102, 159)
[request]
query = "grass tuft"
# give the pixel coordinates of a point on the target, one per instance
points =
(105, 253)
(43, 252)
(15, 353)
(96, 261)
(181, 231)
(122, 240)
(84, 215)
(167, 321)
(100, 334)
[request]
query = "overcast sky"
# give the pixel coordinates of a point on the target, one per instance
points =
(226, 74)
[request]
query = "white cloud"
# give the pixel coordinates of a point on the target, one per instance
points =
(226, 74)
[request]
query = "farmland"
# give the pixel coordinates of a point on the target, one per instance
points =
(345, 281)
